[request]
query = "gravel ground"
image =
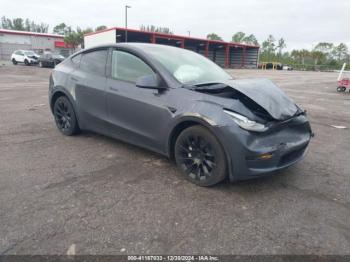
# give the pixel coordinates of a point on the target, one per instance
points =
(103, 196)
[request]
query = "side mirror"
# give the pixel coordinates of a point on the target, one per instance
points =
(149, 81)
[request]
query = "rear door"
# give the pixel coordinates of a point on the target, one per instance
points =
(137, 114)
(90, 84)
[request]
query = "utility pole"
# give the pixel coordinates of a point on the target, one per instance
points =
(126, 22)
(189, 33)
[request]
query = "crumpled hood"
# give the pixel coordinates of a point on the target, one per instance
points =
(267, 95)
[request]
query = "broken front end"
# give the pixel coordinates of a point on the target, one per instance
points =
(261, 129)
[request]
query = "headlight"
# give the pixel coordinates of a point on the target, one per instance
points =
(245, 123)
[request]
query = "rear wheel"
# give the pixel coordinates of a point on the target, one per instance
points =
(14, 61)
(65, 118)
(200, 156)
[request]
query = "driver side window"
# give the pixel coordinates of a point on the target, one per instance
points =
(127, 67)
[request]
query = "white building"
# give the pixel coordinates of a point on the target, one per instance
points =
(11, 40)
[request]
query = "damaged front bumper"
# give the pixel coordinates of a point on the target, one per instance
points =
(253, 154)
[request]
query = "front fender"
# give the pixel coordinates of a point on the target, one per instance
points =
(192, 119)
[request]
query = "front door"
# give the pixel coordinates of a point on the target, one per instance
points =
(138, 115)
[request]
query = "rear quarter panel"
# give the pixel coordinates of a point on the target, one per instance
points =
(60, 82)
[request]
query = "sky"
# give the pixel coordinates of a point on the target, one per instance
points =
(302, 23)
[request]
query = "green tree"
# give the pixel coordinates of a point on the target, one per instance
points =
(62, 29)
(250, 40)
(213, 36)
(295, 54)
(241, 37)
(6, 23)
(238, 37)
(27, 25)
(325, 48)
(100, 28)
(280, 46)
(340, 51)
(23, 25)
(317, 56)
(18, 24)
(41, 28)
(76, 38)
(303, 54)
(268, 48)
(300, 55)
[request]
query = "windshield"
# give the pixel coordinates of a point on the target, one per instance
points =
(28, 53)
(186, 66)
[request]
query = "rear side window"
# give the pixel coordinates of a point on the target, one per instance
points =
(128, 67)
(94, 62)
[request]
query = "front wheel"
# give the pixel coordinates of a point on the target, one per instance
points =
(200, 156)
(341, 89)
(26, 62)
(65, 118)
(14, 61)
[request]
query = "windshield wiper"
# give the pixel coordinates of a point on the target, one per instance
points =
(211, 85)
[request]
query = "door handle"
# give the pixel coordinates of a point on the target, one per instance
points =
(114, 89)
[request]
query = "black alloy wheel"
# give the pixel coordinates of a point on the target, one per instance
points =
(65, 117)
(200, 156)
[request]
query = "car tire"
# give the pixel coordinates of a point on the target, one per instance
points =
(26, 62)
(341, 89)
(200, 156)
(14, 61)
(65, 117)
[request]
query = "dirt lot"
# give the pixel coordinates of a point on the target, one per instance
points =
(107, 197)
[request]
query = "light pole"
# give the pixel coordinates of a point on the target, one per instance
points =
(189, 33)
(126, 22)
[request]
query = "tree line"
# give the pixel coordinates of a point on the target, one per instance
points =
(21, 24)
(157, 29)
(323, 55)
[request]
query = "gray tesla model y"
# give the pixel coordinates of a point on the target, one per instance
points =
(182, 105)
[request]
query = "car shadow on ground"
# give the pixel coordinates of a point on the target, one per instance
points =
(255, 184)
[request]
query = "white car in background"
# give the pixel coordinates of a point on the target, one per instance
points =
(24, 56)
(287, 67)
